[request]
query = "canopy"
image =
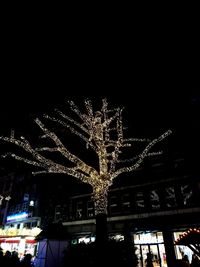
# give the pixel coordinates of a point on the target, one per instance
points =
(191, 238)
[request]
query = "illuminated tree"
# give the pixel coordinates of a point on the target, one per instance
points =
(103, 132)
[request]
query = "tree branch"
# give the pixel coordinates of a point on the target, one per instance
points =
(76, 110)
(64, 151)
(89, 108)
(30, 162)
(70, 120)
(141, 156)
(74, 131)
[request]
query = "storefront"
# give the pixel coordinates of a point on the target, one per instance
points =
(21, 241)
(22, 245)
(187, 244)
(18, 234)
(152, 244)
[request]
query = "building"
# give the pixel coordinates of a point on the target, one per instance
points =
(20, 221)
(152, 207)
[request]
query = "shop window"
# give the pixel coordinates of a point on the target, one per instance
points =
(182, 250)
(150, 244)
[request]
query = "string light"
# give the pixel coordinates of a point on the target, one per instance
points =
(189, 232)
(190, 238)
(103, 132)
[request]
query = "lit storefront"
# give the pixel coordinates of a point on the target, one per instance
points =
(152, 243)
(19, 234)
(187, 243)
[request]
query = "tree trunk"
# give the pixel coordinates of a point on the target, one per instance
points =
(100, 201)
(101, 229)
(101, 239)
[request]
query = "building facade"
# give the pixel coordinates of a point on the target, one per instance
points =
(20, 221)
(151, 207)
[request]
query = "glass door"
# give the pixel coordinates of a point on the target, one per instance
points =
(144, 251)
(157, 252)
(154, 251)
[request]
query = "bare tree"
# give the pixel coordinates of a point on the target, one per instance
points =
(103, 132)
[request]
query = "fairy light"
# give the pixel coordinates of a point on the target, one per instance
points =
(103, 132)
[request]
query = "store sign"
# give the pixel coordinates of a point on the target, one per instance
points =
(17, 217)
(22, 232)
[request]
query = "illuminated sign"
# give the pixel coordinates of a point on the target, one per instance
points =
(17, 217)
(22, 232)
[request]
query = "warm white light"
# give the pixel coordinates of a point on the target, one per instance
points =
(103, 132)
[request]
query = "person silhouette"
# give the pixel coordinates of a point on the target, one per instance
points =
(149, 262)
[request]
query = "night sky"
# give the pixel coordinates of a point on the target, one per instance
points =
(145, 113)
(146, 107)
(150, 70)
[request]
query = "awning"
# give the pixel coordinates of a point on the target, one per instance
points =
(12, 241)
(17, 241)
(31, 241)
(191, 238)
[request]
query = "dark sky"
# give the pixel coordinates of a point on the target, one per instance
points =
(147, 114)
(142, 104)
(150, 69)
(147, 65)
(146, 111)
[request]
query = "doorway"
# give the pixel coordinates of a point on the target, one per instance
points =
(157, 252)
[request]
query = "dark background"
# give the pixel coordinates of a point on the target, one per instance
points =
(148, 64)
